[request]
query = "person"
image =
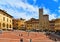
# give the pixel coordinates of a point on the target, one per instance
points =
(56, 40)
(30, 40)
(0, 31)
(19, 34)
(21, 40)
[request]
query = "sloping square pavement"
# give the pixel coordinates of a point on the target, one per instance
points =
(16, 36)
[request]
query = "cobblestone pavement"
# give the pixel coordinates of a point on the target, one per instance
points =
(16, 36)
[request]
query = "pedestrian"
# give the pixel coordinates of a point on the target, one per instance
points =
(21, 40)
(0, 31)
(56, 40)
(30, 40)
(19, 34)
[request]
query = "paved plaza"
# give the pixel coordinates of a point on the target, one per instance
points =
(16, 36)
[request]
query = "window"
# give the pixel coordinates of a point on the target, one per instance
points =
(10, 26)
(0, 24)
(30, 25)
(3, 18)
(3, 24)
(7, 25)
(7, 19)
(17, 24)
(10, 20)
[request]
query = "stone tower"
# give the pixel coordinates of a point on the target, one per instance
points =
(46, 21)
(41, 20)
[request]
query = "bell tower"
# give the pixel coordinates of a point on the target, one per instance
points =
(41, 20)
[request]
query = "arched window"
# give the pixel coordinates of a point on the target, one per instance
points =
(3, 24)
(7, 19)
(10, 26)
(3, 18)
(7, 25)
(0, 25)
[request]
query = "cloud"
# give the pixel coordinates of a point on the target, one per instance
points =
(59, 9)
(46, 11)
(22, 9)
(58, 12)
(55, 0)
(34, 1)
(51, 15)
(19, 8)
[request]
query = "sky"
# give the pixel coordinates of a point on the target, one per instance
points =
(27, 9)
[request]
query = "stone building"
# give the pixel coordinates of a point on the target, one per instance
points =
(5, 20)
(43, 20)
(46, 22)
(19, 23)
(52, 25)
(32, 24)
(40, 24)
(57, 24)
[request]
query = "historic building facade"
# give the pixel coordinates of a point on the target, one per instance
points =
(32, 24)
(57, 24)
(19, 23)
(5, 20)
(52, 25)
(40, 24)
(46, 22)
(43, 20)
